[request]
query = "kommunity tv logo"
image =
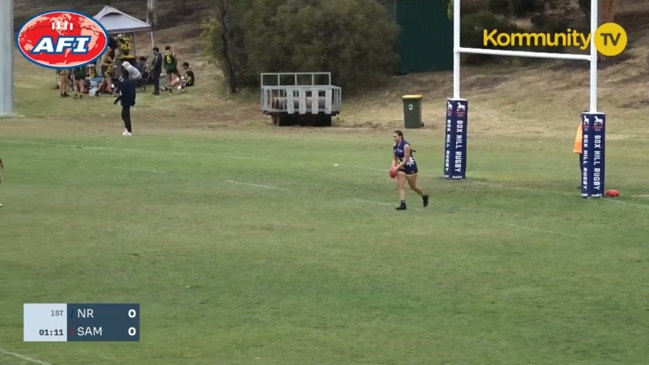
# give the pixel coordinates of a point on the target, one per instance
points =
(610, 39)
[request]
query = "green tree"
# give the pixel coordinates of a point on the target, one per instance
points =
(352, 39)
(224, 37)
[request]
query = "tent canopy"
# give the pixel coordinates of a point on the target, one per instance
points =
(116, 21)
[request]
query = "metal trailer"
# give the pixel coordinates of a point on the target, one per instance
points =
(300, 98)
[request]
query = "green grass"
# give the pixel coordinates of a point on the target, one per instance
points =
(508, 267)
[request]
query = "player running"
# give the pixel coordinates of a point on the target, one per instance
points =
(404, 163)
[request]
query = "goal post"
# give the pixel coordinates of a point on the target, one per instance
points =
(6, 57)
(593, 122)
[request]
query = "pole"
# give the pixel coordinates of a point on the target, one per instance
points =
(456, 49)
(6, 57)
(594, 9)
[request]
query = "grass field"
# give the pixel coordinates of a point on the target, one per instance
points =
(312, 264)
(245, 243)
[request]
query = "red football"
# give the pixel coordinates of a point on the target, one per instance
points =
(612, 193)
(393, 172)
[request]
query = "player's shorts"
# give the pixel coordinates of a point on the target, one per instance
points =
(171, 71)
(410, 170)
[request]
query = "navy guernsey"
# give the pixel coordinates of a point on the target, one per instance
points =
(399, 149)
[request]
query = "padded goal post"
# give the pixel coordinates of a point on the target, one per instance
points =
(7, 57)
(593, 122)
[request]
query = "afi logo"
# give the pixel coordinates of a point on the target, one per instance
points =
(62, 39)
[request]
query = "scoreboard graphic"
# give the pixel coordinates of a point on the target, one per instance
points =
(71, 322)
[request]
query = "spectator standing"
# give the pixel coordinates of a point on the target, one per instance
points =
(156, 70)
(64, 82)
(79, 76)
(127, 99)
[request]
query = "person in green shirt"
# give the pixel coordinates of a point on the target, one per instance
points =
(79, 76)
(171, 66)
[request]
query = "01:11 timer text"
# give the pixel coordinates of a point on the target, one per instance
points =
(56, 332)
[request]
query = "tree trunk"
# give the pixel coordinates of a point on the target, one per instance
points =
(607, 10)
(605, 14)
(180, 6)
(152, 13)
(228, 68)
(584, 5)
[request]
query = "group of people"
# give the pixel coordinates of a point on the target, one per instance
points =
(168, 61)
(82, 80)
(86, 79)
(77, 78)
(131, 75)
(122, 80)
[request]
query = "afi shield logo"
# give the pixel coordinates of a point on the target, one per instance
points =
(62, 39)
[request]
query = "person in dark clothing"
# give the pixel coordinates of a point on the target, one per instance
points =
(127, 99)
(189, 75)
(156, 70)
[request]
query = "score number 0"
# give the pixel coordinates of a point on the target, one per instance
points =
(132, 313)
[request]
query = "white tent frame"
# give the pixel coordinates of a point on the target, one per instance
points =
(145, 27)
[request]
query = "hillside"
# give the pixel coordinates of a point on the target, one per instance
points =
(537, 97)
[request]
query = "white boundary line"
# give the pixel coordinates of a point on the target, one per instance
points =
(254, 185)
(141, 170)
(104, 148)
(540, 230)
(245, 158)
(23, 357)
(628, 203)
